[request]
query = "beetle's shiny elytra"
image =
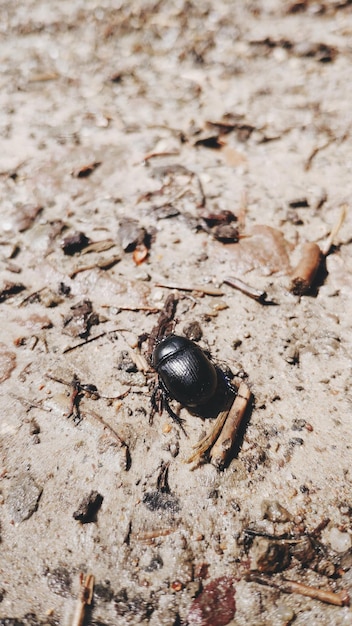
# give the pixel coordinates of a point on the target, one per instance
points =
(186, 373)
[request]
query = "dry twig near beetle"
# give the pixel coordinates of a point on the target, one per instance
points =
(85, 599)
(222, 448)
(222, 437)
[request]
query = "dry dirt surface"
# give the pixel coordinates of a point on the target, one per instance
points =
(158, 148)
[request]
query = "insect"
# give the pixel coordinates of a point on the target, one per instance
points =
(186, 374)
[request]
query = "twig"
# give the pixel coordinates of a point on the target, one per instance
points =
(107, 426)
(78, 390)
(86, 388)
(149, 536)
(224, 444)
(314, 153)
(83, 343)
(206, 443)
(29, 403)
(209, 291)
(103, 264)
(172, 200)
(202, 202)
(149, 309)
(176, 169)
(256, 294)
(153, 155)
(34, 294)
(98, 246)
(340, 598)
(84, 600)
(335, 230)
(123, 445)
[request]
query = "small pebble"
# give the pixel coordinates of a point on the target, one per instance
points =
(284, 613)
(274, 511)
(220, 305)
(88, 508)
(34, 428)
(23, 497)
(339, 541)
(59, 581)
(193, 331)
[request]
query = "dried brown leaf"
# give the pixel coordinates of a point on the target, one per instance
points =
(215, 605)
(36, 322)
(263, 248)
(26, 215)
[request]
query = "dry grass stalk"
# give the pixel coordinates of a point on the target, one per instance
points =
(248, 290)
(339, 598)
(209, 291)
(84, 600)
(208, 441)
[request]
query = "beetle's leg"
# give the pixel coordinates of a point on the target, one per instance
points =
(159, 402)
(156, 401)
(153, 399)
(227, 381)
(230, 386)
(176, 418)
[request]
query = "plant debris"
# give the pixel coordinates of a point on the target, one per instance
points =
(263, 248)
(88, 508)
(337, 598)
(26, 216)
(85, 599)
(221, 226)
(9, 289)
(256, 294)
(319, 51)
(223, 447)
(215, 605)
(162, 499)
(131, 234)
(305, 272)
(165, 323)
(23, 498)
(79, 322)
(74, 243)
(84, 171)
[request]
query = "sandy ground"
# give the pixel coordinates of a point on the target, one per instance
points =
(106, 111)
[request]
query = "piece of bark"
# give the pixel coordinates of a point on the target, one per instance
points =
(305, 272)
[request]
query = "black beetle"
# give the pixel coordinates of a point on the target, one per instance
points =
(185, 374)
